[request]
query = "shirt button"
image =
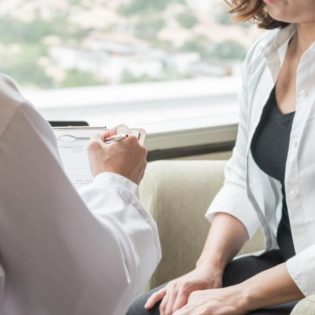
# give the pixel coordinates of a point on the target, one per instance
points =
(302, 93)
(293, 194)
(301, 237)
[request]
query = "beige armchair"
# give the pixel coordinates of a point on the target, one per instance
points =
(178, 193)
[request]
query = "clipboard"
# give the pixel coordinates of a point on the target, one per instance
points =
(72, 144)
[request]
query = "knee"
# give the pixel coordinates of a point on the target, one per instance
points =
(137, 308)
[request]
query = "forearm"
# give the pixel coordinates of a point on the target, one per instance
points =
(271, 287)
(226, 237)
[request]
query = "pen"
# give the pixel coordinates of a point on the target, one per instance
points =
(115, 138)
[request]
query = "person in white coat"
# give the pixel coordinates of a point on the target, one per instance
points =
(269, 181)
(64, 252)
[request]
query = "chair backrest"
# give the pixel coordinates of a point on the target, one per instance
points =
(178, 194)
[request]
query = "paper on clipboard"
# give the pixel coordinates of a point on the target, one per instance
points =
(73, 143)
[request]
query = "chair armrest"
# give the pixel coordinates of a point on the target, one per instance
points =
(305, 307)
(178, 194)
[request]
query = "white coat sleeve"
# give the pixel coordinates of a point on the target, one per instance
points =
(113, 198)
(62, 255)
(301, 268)
(232, 197)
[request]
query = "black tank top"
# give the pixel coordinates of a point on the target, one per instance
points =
(269, 148)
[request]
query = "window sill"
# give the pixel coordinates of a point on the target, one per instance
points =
(175, 114)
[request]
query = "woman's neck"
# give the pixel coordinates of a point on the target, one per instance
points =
(304, 37)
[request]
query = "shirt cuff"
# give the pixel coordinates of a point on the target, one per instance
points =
(302, 271)
(116, 180)
(233, 200)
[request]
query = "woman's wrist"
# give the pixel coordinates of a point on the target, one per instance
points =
(217, 260)
(251, 295)
(242, 297)
(212, 265)
(241, 293)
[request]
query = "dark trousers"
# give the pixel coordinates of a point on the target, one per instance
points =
(236, 272)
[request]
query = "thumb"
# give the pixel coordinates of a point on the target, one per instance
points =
(95, 143)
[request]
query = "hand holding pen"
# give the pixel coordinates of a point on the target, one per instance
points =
(128, 158)
(115, 138)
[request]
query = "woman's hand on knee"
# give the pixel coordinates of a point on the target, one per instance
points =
(155, 298)
(176, 294)
(224, 301)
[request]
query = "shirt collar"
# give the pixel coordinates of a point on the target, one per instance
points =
(278, 43)
(275, 46)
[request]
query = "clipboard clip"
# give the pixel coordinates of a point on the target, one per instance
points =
(71, 138)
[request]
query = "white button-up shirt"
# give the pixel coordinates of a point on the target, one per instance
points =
(64, 252)
(251, 195)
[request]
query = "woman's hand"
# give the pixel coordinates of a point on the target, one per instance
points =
(273, 286)
(226, 237)
(224, 301)
(175, 295)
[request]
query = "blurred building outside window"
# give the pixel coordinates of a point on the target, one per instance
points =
(159, 63)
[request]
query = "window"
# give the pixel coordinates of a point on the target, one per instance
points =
(166, 65)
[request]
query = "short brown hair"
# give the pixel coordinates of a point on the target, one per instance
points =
(244, 10)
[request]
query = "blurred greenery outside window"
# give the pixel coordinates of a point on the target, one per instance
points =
(56, 44)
